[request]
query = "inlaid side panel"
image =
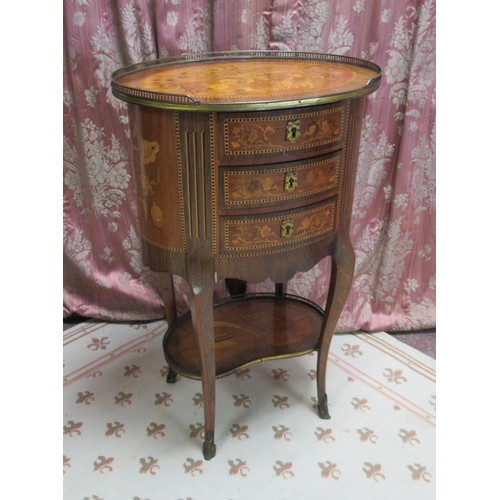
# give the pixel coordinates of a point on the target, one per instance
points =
(157, 168)
(349, 165)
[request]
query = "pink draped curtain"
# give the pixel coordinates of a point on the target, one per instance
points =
(393, 224)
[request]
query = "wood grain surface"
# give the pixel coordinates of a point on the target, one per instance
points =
(250, 80)
(247, 330)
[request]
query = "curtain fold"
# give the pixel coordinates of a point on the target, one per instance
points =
(393, 223)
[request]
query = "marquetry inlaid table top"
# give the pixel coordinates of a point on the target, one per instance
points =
(254, 80)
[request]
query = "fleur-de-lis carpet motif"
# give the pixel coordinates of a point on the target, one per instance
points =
(127, 434)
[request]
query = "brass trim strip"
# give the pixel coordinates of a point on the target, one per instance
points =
(180, 175)
(258, 106)
(188, 182)
(163, 247)
(214, 179)
(203, 187)
(343, 164)
(246, 365)
(193, 169)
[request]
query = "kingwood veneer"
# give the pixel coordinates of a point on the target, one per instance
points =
(246, 165)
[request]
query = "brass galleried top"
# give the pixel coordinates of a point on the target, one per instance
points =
(226, 81)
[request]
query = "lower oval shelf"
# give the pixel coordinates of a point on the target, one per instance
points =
(248, 329)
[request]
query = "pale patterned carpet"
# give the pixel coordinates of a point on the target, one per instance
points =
(129, 435)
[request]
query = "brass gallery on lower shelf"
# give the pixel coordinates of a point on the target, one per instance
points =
(294, 315)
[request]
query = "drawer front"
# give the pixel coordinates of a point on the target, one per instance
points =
(277, 232)
(262, 137)
(279, 185)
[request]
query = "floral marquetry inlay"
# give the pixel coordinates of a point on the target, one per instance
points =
(242, 187)
(156, 215)
(269, 134)
(249, 80)
(149, 151)
(266, 233)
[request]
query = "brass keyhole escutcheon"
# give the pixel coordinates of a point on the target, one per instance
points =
(291, 181)
(293, 131)
(286, 228)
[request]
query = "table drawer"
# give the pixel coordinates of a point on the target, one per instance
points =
(264, 137)
(277, 232)
(276, 186)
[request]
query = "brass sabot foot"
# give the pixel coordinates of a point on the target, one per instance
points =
(209, 449)
(323, 408)
(171, 376)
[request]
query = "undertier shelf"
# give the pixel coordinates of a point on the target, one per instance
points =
(248, 329)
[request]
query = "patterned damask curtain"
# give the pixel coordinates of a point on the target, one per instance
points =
(393, 225)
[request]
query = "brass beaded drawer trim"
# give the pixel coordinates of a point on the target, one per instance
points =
(213, 122)
(163, 247)
(179, 174)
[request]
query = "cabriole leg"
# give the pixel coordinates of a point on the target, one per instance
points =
(203, 322)
(340, 283)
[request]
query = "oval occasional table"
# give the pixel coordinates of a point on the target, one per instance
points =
(245, 170)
